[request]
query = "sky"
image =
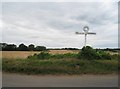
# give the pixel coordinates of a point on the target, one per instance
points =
(53, 24)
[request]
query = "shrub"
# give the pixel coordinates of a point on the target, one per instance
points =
(42, 56)
(45, 55)
(104, 55)
(88, 53)
(91, 54)
(62, 56)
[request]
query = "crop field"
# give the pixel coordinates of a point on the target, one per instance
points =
(17, 54)
(25, 54)
(63, 51)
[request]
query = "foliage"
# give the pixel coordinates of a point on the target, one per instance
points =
(70, 48)
(104, 55)
(31, 47)
(92, 54)
(21, 47)
(8, 47)
(46, 55)
(11, 47)
(64, 56)
(40, 48)
(42, 56)
(88, 53)
(60, 66)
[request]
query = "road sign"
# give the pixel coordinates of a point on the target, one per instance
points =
(86, 32)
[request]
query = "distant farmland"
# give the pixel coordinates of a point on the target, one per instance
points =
(25, 54)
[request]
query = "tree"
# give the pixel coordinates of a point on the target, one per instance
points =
(7, 47)
(40, 48)
(2, 46)
(10, 47)
(22, 47)
(31, 47)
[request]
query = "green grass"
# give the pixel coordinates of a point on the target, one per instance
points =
(60, 66)
(86, 54)
(45, 55)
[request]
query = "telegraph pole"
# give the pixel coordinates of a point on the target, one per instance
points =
(85, 29)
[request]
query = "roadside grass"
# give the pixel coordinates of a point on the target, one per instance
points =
(46, 55)
(60, 66)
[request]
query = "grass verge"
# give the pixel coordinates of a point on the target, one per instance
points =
(60, 66)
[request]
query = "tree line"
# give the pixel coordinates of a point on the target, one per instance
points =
(21, 47)
(32, 47)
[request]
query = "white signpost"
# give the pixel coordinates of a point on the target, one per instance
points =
(85, 29)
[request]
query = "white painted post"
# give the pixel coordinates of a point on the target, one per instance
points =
(86, 29)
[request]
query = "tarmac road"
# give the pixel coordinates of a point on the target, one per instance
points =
(18, 80)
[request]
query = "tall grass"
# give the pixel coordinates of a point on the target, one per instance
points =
(45, 55)
(60, 66)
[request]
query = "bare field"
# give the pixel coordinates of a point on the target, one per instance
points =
(63, 51)
(25, 54)
(17, 54)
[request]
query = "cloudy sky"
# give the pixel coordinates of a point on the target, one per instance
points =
(53, 24)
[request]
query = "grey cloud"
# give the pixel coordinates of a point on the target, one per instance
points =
(55, 24)
(98, 16)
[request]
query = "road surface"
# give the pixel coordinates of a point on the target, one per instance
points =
(18, 80)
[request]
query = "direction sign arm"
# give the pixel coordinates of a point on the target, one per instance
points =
(79, 33)
(92, 33)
